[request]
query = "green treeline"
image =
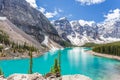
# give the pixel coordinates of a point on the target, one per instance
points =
(22, 48)
(14, 47)
(4, 38)
(110, 48)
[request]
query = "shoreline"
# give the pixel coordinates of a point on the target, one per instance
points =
(27, 57)
(24, 56)
(43, 52)
(103, 55)
(21, 57)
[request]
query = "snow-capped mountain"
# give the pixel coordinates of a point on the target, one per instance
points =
(79, 32)
(111, 29)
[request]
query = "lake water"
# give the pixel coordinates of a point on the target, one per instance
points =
(73, 61)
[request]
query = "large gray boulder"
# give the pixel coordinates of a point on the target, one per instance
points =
(2, 77)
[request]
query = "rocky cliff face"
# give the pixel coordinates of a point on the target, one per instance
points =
(15, 34)
(30, 20)
(13, 42)
(63, 27)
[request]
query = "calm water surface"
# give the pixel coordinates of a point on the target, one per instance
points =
(73, 61)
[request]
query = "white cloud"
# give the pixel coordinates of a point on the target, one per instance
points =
(41, 9)
(60, 10)
(83, 22)
(90, 2)
(113, 14)
(32, 3)
(51, 14)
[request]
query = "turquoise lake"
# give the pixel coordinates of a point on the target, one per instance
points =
(73, 61)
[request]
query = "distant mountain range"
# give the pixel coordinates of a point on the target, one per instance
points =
(79, 32)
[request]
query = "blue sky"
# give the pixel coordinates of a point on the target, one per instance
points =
(89, 10)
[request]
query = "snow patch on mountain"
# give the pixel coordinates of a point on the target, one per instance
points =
(83, 22)
(3, 18)
(32, 3)
(50, 43)
(45, 40)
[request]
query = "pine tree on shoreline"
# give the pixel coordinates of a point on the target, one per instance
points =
(30, 63)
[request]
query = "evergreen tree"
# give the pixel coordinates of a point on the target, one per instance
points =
(1, 73)
(59, 61)
(1, 48)
(31, 63)
(55, 69)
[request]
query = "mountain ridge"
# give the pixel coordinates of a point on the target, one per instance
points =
(82, 32)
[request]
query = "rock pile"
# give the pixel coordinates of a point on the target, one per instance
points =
(37, 76)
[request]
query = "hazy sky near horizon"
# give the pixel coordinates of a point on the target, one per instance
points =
(89, 10)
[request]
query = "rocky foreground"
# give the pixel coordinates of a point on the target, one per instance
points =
(37, 76)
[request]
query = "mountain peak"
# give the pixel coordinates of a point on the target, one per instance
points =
(63, 18)
(83, 22)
